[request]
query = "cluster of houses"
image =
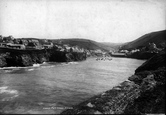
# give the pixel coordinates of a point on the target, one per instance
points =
(68, 48)
(24, 44)
(20, 43)
(11, 42)
(150, 48)
(97, 52)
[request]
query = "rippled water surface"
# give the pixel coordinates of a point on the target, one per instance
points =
(52, 87)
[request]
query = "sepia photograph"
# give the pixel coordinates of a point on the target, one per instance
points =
(82, 56)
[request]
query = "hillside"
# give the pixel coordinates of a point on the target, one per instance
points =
(156, 37)
(112, 45)
(86, 44)
(82, 43)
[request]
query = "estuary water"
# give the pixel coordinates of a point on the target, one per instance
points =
(50, 88)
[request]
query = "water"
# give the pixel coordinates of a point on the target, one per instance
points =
(52, 87)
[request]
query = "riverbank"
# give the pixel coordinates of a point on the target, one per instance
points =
(142, 93)
(23, 58)
(141, 55)
(136, 55)
(118, 55)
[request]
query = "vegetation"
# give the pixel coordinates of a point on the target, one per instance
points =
(159, 38)
(86, 44)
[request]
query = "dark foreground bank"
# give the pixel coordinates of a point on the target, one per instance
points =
(22, 58)
(144, 92)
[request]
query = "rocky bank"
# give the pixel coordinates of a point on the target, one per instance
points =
(22, 58)
(141, 55)
(142, 93)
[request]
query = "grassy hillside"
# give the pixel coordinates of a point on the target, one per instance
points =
(82, 43)
(156, 37)
(112, 45)
(86, 44)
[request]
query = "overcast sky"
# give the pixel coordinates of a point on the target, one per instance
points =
(99, 20)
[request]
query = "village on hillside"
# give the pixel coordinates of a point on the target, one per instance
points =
(150, 48)
(10, 42)
(34, 44)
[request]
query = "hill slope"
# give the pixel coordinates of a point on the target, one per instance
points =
(156, 37)
(82, 43)
(86, 44)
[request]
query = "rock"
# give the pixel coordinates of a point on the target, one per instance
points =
(97, 112)
(159, 75)
(103, 94)
(138, 77)
(148, 83)
(151, 99)
(135, 78)
(90, 105)
(12, 57)
(26, 60)
(3, 60)
(117, 88)
(153, 63)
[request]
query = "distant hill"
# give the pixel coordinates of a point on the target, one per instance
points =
(115, 46)
(86, 44)
(82, 43)
(156, 37)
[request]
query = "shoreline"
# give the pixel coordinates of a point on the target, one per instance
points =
(26, 58)
(143, 92)
(37, 65)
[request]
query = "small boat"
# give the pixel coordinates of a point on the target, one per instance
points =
(103, 58)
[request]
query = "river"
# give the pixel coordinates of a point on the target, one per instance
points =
(50, 88)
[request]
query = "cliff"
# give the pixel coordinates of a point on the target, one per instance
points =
(11, 57)
(142, 93)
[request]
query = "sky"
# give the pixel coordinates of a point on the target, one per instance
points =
(113, 21)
